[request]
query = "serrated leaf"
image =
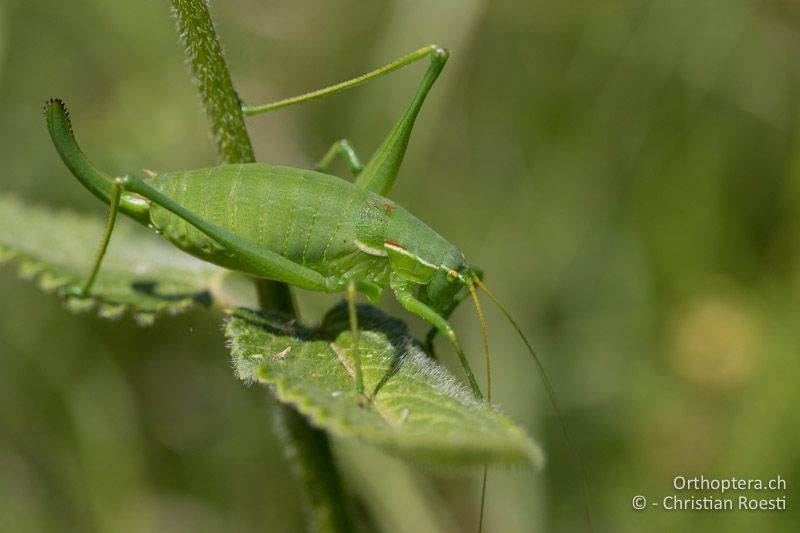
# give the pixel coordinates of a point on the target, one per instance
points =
(140, 273)
(417, 409)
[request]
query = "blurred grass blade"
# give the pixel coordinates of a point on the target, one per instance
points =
(418, 410)
(140, 274)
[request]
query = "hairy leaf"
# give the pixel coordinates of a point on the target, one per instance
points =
(417, 409)
(140, 273)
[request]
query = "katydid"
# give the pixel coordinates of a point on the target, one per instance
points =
(303, 227)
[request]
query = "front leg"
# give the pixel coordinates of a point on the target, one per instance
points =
(446, 315)
(403, 292)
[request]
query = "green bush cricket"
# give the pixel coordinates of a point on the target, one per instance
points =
(303, 227)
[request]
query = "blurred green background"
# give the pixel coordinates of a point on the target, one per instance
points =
(626, 172)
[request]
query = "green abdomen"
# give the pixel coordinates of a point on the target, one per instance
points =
(307, 217)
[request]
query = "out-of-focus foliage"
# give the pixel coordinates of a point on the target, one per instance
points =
(625, 172)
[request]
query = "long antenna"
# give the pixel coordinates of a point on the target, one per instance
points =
(474, 295)
(551, 394)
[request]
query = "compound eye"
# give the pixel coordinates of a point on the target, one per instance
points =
(452, 275)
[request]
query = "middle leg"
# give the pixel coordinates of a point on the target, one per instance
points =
(343, 148)
(359, 377)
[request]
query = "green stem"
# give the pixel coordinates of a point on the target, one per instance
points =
(310, 451)
(329, 508)
(210, 73)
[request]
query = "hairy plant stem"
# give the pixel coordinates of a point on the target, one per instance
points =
(309, 448)
(210, 73)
